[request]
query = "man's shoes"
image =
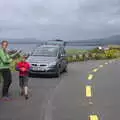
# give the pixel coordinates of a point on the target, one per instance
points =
(6, 98)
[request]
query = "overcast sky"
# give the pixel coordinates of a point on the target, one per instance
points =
(65, 19)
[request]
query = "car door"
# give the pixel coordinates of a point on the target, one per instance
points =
(65, 59)
(60, 59)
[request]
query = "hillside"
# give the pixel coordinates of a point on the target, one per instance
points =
(111, 40)
(115, 39)
(99, 41)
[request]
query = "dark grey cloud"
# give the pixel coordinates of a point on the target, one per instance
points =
(67, 19)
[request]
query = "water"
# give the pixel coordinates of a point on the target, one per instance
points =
(81, 47)
(30, 47)
(23, 47)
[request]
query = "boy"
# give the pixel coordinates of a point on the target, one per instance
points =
(23, 67)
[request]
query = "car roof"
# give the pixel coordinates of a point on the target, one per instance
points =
(56, 42)
(52, 46)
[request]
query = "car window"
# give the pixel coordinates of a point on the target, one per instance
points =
(46, 51)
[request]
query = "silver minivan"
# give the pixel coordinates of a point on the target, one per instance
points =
(48, 59)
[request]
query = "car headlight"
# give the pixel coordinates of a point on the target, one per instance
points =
(52, 64)
(29, 60)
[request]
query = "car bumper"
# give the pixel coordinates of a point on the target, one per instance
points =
(49, 72)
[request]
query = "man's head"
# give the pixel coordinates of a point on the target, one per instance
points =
(4, 44)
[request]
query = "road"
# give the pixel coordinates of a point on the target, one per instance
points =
(65, 98)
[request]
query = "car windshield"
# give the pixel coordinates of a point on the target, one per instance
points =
(55, 43)
(46, 51)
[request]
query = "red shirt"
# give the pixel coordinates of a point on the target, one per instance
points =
(25, 65)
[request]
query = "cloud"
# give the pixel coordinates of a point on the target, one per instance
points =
(68, 19)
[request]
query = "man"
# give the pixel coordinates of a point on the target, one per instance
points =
(5, 60)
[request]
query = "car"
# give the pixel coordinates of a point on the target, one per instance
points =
(48, 59)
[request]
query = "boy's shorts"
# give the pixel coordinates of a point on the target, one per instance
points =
(23, 81)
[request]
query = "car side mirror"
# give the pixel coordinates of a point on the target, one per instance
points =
(62, 55)
(30, 53)
(59, 56)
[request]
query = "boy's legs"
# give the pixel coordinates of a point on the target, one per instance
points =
(21, 84)
(25, 81)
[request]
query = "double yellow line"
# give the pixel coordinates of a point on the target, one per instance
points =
(95, 70)
(89, 90)
(93, 117)
(90, 76)
(101, 66)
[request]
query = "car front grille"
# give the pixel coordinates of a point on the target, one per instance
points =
(42, 65)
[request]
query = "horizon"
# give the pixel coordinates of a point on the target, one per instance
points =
(39, 40)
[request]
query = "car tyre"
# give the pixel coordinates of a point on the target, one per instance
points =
(65, 69)
(58, 73)
(30, 75)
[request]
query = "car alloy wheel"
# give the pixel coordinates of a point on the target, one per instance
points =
(58, 73)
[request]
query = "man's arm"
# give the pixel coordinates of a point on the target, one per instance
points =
(3, 57)
(9, 59)
(13, 55)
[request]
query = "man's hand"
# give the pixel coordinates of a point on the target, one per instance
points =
(19, 51)
(15, 54)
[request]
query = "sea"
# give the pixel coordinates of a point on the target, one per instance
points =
(29, 47)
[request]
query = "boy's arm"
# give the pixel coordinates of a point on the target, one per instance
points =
(17, 67)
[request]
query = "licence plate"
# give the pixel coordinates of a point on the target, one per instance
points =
(38, 69)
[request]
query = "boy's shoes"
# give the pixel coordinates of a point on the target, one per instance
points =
(26, 97)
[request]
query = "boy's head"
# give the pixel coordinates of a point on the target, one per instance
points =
(24, 58)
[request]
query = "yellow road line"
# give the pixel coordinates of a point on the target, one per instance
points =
(95, 70)
(101, 66)
(88, 91)
(93, 117)
(90, 77)
(106, 63)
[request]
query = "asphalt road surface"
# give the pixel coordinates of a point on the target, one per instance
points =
(65, 98)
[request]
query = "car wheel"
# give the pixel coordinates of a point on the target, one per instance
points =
(58, 73)
(30, 75)
(65, 69)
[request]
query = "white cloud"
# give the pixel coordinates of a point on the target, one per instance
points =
(68, 19)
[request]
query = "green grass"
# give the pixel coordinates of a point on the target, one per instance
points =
(95, 54)
(75, 51)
